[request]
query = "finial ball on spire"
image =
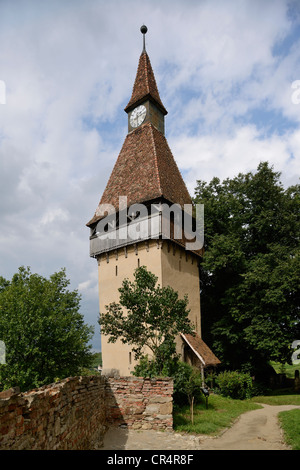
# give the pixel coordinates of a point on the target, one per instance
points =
(144, 29)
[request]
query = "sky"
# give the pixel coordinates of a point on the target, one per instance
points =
(228, 72)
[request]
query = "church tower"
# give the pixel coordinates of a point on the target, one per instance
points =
(133, 227)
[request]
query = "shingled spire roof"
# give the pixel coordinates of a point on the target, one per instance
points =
(145, 85)
(145, 169)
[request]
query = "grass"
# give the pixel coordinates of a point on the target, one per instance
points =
(287, 369)
(290, 423)
(221, 413)
(285, 398)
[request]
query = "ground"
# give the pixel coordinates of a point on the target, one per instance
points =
(254, 430)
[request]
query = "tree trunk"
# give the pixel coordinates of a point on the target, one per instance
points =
(192, 409)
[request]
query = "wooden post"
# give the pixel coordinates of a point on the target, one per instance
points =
(202, 374)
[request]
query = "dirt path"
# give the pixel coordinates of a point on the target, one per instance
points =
(254, 430)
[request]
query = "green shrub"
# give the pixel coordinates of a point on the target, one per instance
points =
(153, 368)
(186, 380)
(234, 384)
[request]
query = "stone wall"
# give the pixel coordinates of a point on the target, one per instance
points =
(140, 403)
(75, 413)
(67, 415)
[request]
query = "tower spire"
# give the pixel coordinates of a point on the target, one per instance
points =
(144, 30)
(145, 84)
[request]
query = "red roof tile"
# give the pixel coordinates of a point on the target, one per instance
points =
(145, 85)
(145, 170)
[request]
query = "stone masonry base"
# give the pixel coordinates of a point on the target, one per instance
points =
(75, 413)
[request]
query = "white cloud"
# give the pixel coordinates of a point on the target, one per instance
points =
(69, 69)
(90, 286)
(225, 156)
(54, 215)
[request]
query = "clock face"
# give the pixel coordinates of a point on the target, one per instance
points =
(137, 116)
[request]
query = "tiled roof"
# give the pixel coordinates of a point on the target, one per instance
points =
(145, 170)
(145, 85)
(202, 351)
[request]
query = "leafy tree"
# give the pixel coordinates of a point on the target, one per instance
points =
(250, 270)
(187, 384)
(43, 331)
(147, 315)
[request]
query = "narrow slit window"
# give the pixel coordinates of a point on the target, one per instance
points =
(138, 262)
(130, 358)
(116, 270)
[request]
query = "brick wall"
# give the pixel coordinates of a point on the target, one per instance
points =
(140, 403)
(75, 413)
(67, 415)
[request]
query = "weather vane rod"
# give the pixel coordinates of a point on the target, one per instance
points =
(144, 30)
